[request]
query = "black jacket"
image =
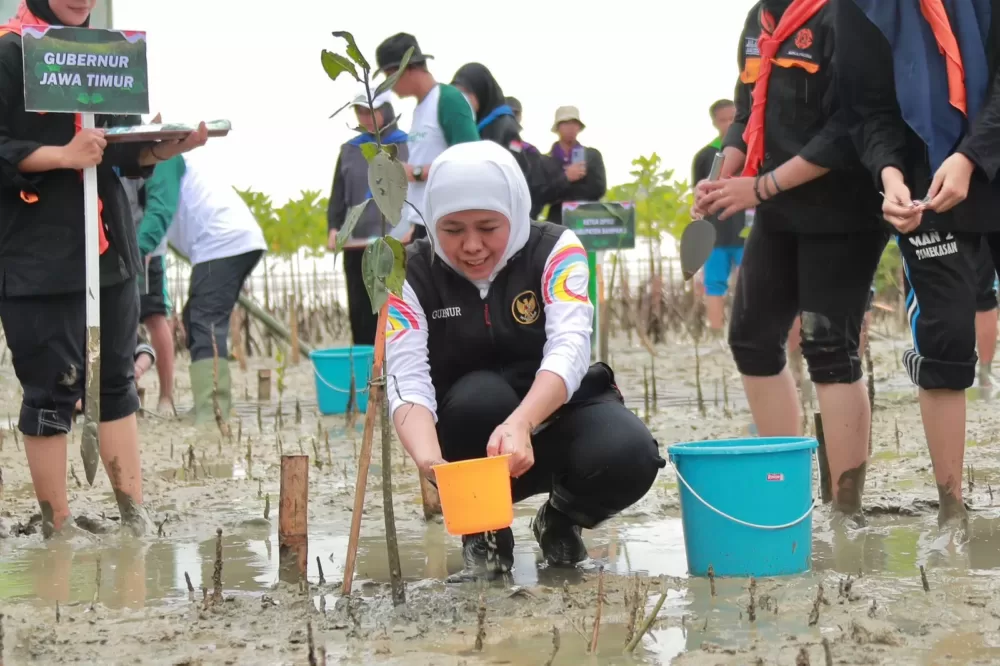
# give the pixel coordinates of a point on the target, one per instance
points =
(480, 334)
(727, 232)
(866, 81)
(42, 243)
(803, 118)
(591, 187)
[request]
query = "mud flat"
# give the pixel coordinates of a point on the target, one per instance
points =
(112, 599)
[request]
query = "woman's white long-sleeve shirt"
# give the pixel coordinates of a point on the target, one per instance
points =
(569, 317)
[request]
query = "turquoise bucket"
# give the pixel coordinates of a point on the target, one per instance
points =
(332, 368)
(746, 505)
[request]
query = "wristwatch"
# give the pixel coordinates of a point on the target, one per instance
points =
(418, 173)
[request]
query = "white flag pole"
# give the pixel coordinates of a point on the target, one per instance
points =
(90, 448)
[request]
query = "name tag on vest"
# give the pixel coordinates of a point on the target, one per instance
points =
(446, 313)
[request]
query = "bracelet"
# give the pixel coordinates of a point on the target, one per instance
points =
(756, 188)
(152, 151)
(774, 180)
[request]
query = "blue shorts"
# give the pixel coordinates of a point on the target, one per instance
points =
(719, 266)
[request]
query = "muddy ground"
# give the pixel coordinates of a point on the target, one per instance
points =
(113, 599)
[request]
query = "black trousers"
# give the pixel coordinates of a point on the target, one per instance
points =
(215, 288)
(595, 458)
(824, 277)
(359, 304)
(47, 336)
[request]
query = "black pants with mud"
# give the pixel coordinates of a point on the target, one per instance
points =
(47, 337)
(359, 304)
(215, 288)
(595, 457)
(824, 277)
(943, 285)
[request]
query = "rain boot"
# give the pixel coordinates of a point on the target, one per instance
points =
(487, 555)
(202, 385)
(558, 537)
(225, 392)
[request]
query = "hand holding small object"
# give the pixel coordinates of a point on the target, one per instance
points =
(514, 438)
(85, 150)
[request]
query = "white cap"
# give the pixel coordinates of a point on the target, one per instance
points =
(362, 99)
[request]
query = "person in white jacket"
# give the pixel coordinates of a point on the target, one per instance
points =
(205, 219)
(488, 353)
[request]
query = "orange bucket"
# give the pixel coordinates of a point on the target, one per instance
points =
(475, 495)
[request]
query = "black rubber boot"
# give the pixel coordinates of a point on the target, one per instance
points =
(487, 555)
(558, 537)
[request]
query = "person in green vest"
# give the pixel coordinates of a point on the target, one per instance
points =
(728, 252)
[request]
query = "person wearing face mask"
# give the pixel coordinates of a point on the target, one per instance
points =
(497, 121)
(350, 188)
(42, 260)
(816, 241)
(488, 352)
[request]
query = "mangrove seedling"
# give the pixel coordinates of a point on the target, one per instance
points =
(383, 269)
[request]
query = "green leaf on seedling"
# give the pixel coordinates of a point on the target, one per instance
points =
(387, 182)
(352, 48)
(745, 232)
(341, 109)
(369, 150)
(351, 221)
(336, 64)
(391, 149)
(397, 276)
(391, 80)
(376, 265)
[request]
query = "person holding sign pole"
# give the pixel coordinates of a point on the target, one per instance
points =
(42, 301)
(488, 353)
(817, 237)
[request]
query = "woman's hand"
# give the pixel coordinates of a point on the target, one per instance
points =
(85, 150)
(728, 196)
(165, 150)
(142, 364)
(950, 186)
(426, 466)
(898, 207)
(514, 438)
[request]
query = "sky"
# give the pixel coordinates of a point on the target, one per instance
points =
(642, 72)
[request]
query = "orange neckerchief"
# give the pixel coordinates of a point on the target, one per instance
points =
(937, 17)
(25, 17)
(771, 38)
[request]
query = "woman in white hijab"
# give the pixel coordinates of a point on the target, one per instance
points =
(489, 353)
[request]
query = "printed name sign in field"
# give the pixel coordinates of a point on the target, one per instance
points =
(86, 71)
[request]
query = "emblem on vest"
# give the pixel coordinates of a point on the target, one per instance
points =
(525, 308)
(446, 313)
(750, 47)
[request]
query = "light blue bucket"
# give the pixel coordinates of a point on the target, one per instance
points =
(332, 368)
(746, 505)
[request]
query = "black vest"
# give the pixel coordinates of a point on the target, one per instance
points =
(504, 333)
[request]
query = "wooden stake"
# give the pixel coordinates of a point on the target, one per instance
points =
(365, 457)
(597, 617)
(263, 386)
(293, 317)
(293, 518)
(825, 482)
(236, 333)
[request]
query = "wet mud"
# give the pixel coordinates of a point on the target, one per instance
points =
(98, 594)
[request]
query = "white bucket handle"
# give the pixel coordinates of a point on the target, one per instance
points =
(334, 388)
(737, 520)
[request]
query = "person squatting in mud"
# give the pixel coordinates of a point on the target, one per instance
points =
(488, 353)
(919, 81)
(816, 241)
(42, 305)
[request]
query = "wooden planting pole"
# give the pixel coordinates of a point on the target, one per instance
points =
(293, 518)
(263, 385)
(293, 326)
(825, 483)
(365, 457)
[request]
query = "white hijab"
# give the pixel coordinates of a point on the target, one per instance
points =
(480, 175)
